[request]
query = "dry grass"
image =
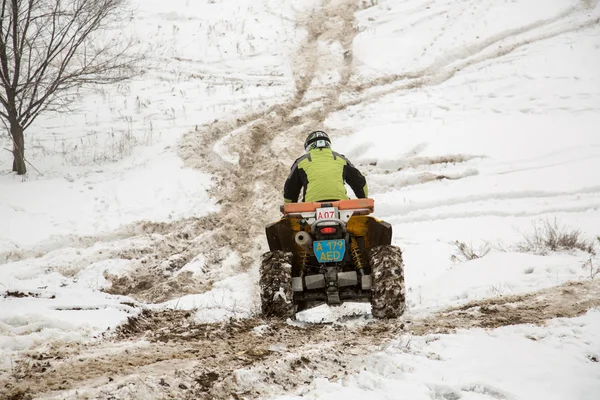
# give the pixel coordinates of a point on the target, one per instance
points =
(592, 265)
(465, 252)
(592, 270)
(548, 237)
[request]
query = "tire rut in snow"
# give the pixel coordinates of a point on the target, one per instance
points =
(208, 360)
(565, 301)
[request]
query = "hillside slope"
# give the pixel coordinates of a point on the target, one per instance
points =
(129, 269)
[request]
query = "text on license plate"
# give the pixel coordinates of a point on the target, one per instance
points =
(327, 213)
(329, 250)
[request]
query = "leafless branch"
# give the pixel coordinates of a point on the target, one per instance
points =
(50, 48)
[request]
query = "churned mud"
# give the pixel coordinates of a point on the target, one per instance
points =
(254, 358)
(565, 301)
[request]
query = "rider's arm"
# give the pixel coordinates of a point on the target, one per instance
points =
(356, 180)
(293, 185)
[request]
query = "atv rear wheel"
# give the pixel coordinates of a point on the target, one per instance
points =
(276, 294)
(387, 288)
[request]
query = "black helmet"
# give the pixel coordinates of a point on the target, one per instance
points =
(316, 139)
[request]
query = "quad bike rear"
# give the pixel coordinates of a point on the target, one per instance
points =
(331, 252)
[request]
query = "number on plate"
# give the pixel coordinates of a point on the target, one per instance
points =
(327, 213)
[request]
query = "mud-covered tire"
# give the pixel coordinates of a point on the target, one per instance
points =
(387, 282)
(276, 294)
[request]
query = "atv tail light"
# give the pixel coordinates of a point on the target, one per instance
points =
(328, 230)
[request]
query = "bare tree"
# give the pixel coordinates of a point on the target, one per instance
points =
(48, 50)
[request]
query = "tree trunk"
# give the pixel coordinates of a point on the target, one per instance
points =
(18, 148)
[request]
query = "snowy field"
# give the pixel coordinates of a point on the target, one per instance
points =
(475, 122)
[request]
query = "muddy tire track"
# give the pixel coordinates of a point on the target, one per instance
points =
(249, 189)
(208, 361)
(564, 301)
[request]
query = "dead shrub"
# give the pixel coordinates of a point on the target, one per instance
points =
(549, 237)
(466, 252)
(592, 265)
(592, 270)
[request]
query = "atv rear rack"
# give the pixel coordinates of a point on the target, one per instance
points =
(358, 206)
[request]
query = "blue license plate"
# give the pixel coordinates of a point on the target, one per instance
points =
(330, 250)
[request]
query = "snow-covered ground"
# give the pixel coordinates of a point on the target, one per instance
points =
(474, 121)
(516, 362)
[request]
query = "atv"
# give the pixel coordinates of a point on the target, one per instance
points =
(331, 252)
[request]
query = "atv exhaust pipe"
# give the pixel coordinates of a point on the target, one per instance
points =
(303, 239)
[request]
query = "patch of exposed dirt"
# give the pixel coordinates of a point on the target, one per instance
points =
(19, 294)
(147, 287)
(203, 361)
(156, 275)
(19, 396)
(565, 301)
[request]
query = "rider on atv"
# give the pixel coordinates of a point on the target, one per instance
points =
(322, 172)
(328, 248)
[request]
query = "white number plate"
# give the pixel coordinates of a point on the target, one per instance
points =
(327, 213)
